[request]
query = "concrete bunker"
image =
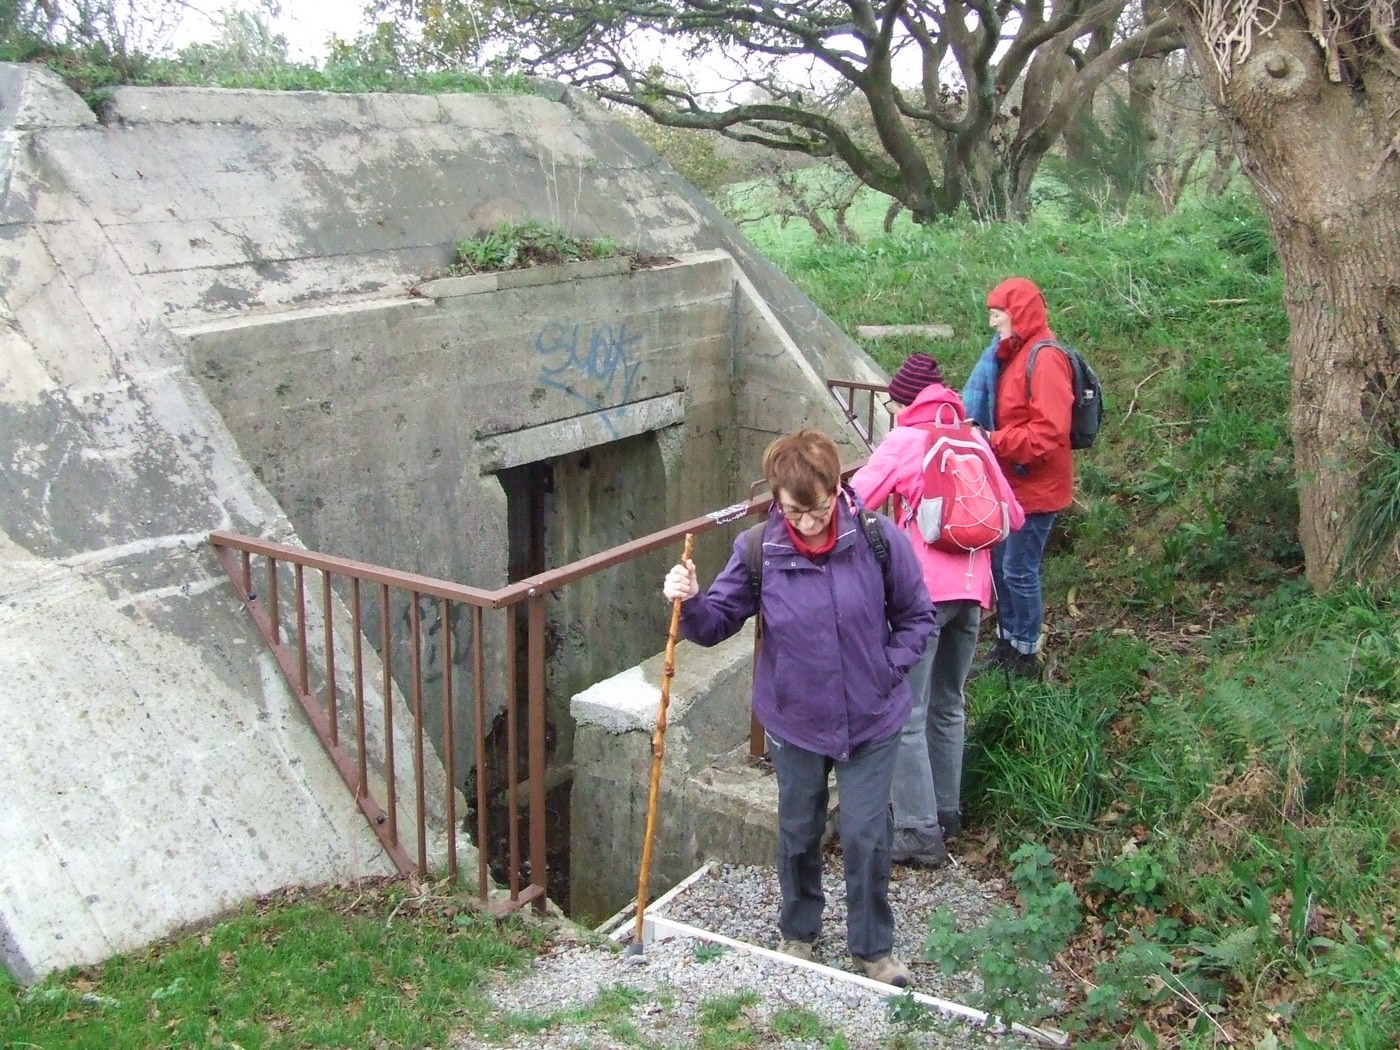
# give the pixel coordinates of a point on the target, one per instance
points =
(484, 429)
(218, 318)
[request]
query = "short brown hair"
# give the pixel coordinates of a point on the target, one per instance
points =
(805, 465)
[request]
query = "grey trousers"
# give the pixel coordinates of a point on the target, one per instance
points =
(928, 764)
(866, 830)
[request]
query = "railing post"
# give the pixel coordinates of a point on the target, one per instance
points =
(415, 632)
(512, 729)
(449, 757)
(355, 615)
(303, 680)
(331, 715)
(539, 864)
(483, 847)
(391, 773)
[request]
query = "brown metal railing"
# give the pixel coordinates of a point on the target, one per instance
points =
(308, 652)
(354, 594)
(859, 402)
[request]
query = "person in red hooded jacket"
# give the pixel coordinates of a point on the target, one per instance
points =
(1030, 436)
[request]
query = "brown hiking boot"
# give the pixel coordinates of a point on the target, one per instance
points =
(886, 969)
(797, 949)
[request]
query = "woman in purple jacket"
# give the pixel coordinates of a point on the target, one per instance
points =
(840, 632)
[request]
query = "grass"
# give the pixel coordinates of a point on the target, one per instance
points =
(728, 1022)
(373, 964)
(610, 1010)
(524, 244)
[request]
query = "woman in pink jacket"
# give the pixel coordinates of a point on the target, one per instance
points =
(928, 764)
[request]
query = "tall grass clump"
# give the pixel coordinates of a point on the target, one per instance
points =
(1376, 528)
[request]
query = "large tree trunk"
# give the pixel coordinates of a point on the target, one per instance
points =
(1318, 132)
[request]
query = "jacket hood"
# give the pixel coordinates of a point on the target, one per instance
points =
(928, 406)
(1030, 320)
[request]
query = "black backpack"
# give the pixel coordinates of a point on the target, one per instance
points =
(753, 552)
(1087, 414)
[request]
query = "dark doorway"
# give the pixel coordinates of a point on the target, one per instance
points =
(529, 491)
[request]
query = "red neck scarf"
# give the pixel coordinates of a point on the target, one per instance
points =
(821, 545)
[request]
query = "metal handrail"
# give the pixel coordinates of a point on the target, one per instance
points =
(845, 392)
(313, 679)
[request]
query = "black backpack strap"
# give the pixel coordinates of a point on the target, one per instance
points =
(1030, 361)
(875, 536)
(753, 559)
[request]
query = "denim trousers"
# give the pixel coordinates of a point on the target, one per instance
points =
(928, 765)
(1016, 577)
(863, 784)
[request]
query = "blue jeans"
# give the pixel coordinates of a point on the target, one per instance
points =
(928, 767)
(1016, 576)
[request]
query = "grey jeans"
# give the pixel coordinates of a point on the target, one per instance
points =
(866, 831)
(928, 764)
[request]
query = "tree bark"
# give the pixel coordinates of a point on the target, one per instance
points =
(1315, 112)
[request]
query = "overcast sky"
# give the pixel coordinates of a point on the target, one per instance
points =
(307, 24)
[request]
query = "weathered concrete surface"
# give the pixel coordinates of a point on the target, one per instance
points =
(162, 274)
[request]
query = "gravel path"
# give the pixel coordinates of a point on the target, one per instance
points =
(664, 992)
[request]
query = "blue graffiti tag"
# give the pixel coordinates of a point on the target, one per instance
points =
(603, 358)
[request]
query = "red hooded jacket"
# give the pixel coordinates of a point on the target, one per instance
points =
(1031, 438)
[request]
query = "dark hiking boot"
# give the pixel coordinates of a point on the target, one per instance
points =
(999, 657)
(912, 847)
(1024, 665)
(950, 823)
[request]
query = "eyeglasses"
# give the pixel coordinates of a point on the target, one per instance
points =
(815, 513)
(892, 406)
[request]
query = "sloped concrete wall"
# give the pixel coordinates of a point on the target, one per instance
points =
(155, 768)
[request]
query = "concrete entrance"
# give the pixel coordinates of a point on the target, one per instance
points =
(220, 313)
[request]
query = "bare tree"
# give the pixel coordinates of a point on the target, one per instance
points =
(818, 195)
(1311, 91)
(934, 79)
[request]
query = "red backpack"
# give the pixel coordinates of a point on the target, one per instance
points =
(962, 509)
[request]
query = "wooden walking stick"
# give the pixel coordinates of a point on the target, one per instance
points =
(658, 748)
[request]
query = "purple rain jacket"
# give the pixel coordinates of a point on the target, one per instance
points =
(830, 673)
